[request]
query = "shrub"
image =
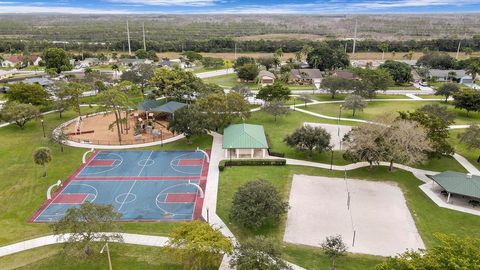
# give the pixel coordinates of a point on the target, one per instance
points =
(251, 162)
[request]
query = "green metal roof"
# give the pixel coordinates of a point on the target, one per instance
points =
(244, 136)
(158, 106)
(459, 183)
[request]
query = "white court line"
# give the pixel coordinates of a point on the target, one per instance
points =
(134, 182)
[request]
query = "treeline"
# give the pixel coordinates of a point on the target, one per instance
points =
(228, 45)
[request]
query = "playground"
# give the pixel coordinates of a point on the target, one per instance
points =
(100, 129)
(372, 217)
(140, 185)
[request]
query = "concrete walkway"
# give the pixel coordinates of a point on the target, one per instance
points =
(128, 238)
(466, 164)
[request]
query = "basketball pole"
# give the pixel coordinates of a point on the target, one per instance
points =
(354, 236)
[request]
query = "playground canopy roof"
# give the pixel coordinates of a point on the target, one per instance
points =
(244, 136)
(157, 106)
(459, 183)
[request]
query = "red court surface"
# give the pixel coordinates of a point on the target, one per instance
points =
(70, 198)
(180, 197)
(101, 162)
(190, 162)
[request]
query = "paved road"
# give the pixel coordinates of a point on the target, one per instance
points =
(214, 73)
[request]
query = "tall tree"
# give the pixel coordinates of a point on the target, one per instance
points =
(114, 100)
(258, 253)
(277, 91)
(336, 84)
(71, 93)
(308, 139)
(471, 137)
(42, 156)
(56, 58)
(436, 119)
(256, 204)
(85, 228)
(325, 58)
(467, 99)
(28, 93)
(241, 61)
(275, 108)
(175, 83)
(189, 121)
(248, 72)
(354, 103)
(334, 247)
(383, 47)
(267, 62)
(197, 245)
(139, 75)
(473, 69)
(447, 90)
(372, 80)
(363, 143)
(18, 113)
(400, 72)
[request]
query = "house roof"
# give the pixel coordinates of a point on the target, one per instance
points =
(41, 81)
(459, 73)
(306, 73)
(459, 183)
(244, 136)
(266, 73)
(15, 58)
(344, 74)
(149, 105)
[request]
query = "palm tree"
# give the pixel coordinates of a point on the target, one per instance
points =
(383, 47)
(42, 156)
(315, 61)
(473, 69)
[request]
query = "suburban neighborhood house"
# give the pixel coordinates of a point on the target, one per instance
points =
(306, 76)
(16, 60)
(345, 74)
(245, 141)
(266, 77)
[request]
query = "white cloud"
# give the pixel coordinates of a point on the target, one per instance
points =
(166, 2)
(412, 3)
(44, 9)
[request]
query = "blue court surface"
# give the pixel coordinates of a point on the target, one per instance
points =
(141, 185)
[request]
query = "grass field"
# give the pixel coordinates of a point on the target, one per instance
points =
(462, 149)
(22, 190)
(429, 218)
(328, 97)
(376, 109)
(123, 257)
(277, 130)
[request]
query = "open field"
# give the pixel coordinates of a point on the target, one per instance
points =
(123, 257)
(22, 190)
(277, 130)
(428, 217)
(462, 149)
(376, 109)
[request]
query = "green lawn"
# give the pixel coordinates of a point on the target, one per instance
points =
(376, 109)
(429, 218)
(22, 190)
(328, 97)
(277, 130)
(123, 257)
(462, 149)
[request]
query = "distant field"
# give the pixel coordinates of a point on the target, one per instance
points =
(283, 37)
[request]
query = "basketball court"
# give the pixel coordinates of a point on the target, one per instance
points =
(372, 217)
(141, 185)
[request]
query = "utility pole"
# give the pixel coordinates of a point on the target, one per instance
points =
(144, 44)
(354, 39)
(128, 37)
(459, 43)
(235, 51)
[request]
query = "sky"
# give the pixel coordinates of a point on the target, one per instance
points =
(239, 6)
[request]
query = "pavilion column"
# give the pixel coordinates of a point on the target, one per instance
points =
(448, 198)
(226, 153)
(252, 152)
(263, 153)
(237, 152)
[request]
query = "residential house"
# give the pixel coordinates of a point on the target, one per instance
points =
(34, 60)
(344, 74)
(13, 61)
(266, 78)
(306, 76)
(440, 75)
(90, 61)
(133, 61)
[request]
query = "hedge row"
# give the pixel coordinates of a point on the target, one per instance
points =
(251, 162)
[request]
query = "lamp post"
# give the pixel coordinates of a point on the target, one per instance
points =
(338, 122)
(294, 99)
(108, 255)
(43, 128)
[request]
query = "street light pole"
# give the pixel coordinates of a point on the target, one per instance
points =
(108, 255)
(43, 128)
(338, 122)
